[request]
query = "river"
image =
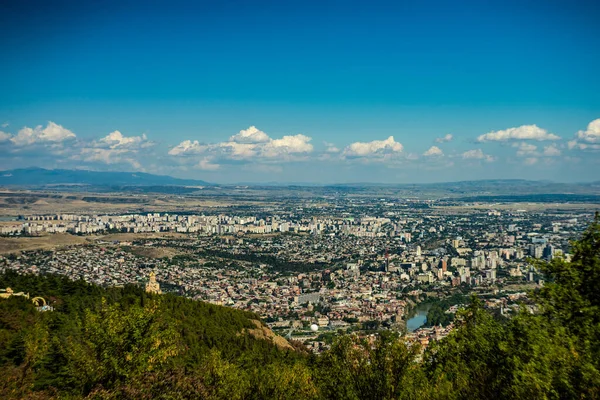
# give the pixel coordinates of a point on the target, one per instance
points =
(419, 319)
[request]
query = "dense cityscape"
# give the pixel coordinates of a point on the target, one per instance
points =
(359, 266)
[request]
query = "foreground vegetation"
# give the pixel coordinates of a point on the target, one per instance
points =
(124, 343)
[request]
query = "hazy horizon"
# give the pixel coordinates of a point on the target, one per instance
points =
(333, 183)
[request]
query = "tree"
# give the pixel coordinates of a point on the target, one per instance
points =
(571, 294)
(116, 345)
(357, 368)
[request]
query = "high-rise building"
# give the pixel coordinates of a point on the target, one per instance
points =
(443, 265)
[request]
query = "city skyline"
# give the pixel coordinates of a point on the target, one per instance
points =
(314, 92)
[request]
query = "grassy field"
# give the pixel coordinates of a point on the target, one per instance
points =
(14, 203)
(528, 207)
(46, 242)
(53, 241)
(154, 252)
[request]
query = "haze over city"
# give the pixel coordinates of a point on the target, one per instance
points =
(312, 92)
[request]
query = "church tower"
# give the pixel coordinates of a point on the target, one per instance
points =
(152, 286)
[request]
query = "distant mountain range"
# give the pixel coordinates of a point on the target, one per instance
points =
(43, 177)
(69, 180)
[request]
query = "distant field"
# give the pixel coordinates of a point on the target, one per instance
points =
(154, 252)
(46, 242)
(53, 241)
(128, 237)
(14, 203)
(587, 207)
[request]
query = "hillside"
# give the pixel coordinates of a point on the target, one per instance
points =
(98, 339)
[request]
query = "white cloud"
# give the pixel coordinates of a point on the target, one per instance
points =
(4, 136)
(592, 133)
(433, 151)
(92, 154)
(5, 125)
(114, 148)
(331, 148)
(51, 133)
(250, 135)
(530, 150)
(49, 144)
(477, 154)
(525, 132)
(376, 148)
(237, 150)
(287, 145)
(446, 138)
(588, 139)
(248, 144)
(530, 161)
(107, 156)
(116, 139)
(187, 147)
(206, 165)
(551, 151)
(574, 144)
(525, 149)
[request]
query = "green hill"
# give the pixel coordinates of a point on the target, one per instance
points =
(123, 339)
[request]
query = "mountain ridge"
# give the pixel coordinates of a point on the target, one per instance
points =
(35, 176)
(40, 176)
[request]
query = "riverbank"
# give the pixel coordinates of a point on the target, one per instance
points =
(419, 317)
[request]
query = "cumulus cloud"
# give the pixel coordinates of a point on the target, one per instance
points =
(5, 125)
(477, 154)
(248, 144)
(287, 145)
(525, 149)
(331, 148)
(114, 148)
(376, 148)
(95, 154)
(4, 136)
(236, 150)
(206, 165)
(433, 151)
(187, 147)
(524, 132)
(574, 144)
(530, 150)
(446, 138)
(551, 151)
(592, 133)
(250, 135)
(117, 140)
(52, 133)
(107, 156)
(588, 139)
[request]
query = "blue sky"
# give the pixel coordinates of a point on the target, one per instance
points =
(310, 91)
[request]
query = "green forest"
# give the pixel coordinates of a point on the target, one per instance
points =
(122, 343)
